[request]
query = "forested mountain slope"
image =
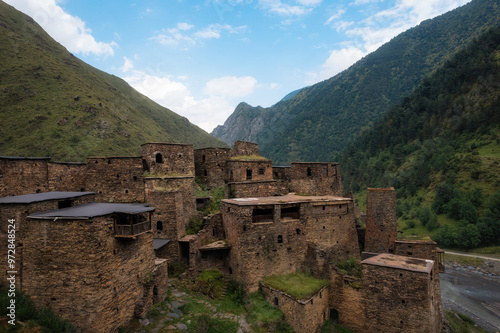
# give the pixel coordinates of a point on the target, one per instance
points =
(53, 104)
(440, 149)
(320, 121)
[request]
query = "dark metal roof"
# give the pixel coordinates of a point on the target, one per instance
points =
(94, 209)
(37, 197)
(159, 243)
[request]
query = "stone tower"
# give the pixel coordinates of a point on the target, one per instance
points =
(381, 225)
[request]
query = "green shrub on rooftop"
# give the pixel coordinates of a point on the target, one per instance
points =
(300, 285)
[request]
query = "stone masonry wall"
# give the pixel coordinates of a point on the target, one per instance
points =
(265, 188)
(248, 170)
(165, 159)
(244, 148)
(115, 179)
(399, 300)
(263, 248)
(331, 226)
(19, 213)
(381, 224)
(23, 175)
(210, 165)
(83, 273)
(305, 316)
(185, 185)
(315, 178)
(67, 176)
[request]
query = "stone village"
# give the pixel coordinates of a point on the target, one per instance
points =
(94, 240)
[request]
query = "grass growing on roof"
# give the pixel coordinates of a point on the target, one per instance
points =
(249, 158)
(299, 285)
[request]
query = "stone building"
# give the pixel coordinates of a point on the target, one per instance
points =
(115, 179)
(66, 176)
(244, 148)
(270, 236)
(168, 159)
(23, 175)
(210, 166)
(18, 208)
(381, 221)
(400, 295)
(316, 178)
(305, 316)
(93, 264)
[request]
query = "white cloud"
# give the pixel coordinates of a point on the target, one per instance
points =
(127, 65)
(335, 16)
(369, 34)
(206, 113)
(178, 37)
(68, 30)
(284, 9)
(231, 86)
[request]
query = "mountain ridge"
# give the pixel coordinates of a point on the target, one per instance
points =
(321, 120)
(55, 105)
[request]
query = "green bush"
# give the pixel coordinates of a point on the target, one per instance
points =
(211, 282)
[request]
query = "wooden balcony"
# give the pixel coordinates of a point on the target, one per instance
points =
(132, 229)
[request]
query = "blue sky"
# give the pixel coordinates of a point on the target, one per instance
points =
(201, 58)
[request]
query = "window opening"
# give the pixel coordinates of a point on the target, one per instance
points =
(159, 225)
(309, 172)
(249, 174)
(262, 215)
(290, 213)
(280, 239)
(159, 158)
(261, 171)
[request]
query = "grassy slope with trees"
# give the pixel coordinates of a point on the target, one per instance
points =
(440, 149)
(321, 120)
(53, 104)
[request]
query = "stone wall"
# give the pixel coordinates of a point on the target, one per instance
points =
(264, 188)
(201, 256)
(184, 185)
(83, 273)
(398, 299)
(115, 179)
(23, 175)
(381, 222)
(19, 213)
(67, 176)
(259, 249)
(248, 170)
(303, 315)
(210, 165)
(347, 298)
(331, 226)
(244, 148)
(168, 159)
(315, 178)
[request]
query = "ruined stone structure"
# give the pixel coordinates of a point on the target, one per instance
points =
(115, 179)
(244, 148)
(263, 229)
(210, 165)
(303, 315)
(168, 159)
(381, 225)
(400, 295)
(316, 178)
(96, 257)
(23, 175)
(270, 236)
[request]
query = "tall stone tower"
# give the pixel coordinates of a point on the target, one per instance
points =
(381, 225)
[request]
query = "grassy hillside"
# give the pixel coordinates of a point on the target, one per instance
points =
(53, 104)
(320, 121)
(440, 149)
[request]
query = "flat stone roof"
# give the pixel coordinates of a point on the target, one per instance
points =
(290, 198)
(400, 262)
(45, 196)
(91, 210)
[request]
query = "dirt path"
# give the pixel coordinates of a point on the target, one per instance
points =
(473, 256)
